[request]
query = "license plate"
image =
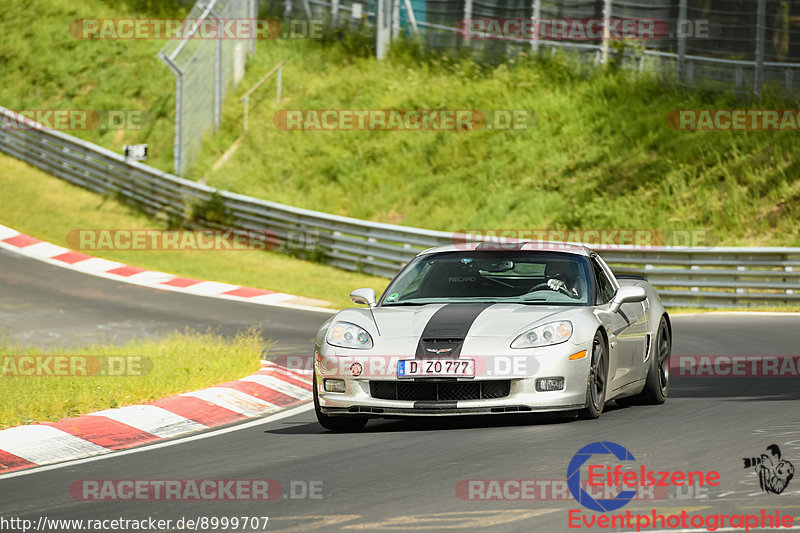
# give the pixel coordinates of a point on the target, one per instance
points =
(439, 368)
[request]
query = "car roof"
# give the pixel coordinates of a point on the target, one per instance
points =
(512, 246)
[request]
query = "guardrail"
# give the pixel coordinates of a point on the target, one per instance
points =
(684, 276)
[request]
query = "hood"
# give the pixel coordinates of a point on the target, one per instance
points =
(475, 320)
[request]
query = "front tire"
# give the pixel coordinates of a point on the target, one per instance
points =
(344, 424)
(596, 380)
(656, 387)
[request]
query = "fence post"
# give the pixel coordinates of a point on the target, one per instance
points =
(607, 7)
(682, 15)
(176, 149)
(335, 14)
(246, 111)
(279, 83)
(395, 18)
(537, 14)
(253, 17)
(218, 85)
(412, 18)
(383, 28)
(761, 28)
(467, 17)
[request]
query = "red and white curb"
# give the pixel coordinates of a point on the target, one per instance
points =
(13, 240)
(269, 390)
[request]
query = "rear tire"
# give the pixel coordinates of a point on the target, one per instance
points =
(344, 424)
(597, 379)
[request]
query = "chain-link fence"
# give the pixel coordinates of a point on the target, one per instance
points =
(205, 64)
(738, 45)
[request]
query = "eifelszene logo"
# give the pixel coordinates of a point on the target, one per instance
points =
(618, 477)
(774, 473)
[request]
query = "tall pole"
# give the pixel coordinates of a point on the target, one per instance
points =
(606, 29)
(681, 29)
(537, 16)
(383, 28)
(761, 29)
(468, 17)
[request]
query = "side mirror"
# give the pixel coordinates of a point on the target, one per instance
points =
(627, 294)
(363, 297)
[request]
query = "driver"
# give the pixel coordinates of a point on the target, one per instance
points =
(563, 276)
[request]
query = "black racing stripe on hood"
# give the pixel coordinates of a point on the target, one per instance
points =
(450, 322)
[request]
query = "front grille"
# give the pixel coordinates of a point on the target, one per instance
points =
(434, 391)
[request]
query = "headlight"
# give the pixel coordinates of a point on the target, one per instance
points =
(545, 335)
(347, 335)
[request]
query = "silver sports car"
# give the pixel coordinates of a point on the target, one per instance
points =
(489, 328)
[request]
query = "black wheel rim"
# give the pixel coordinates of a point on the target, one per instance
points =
(597, 385)
(663, 359)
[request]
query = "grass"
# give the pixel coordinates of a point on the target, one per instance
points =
(52, 207)
(598, 153)
(45, 67)
(178, 363)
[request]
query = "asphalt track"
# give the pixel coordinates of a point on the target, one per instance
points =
(45, 305)
(402, 475)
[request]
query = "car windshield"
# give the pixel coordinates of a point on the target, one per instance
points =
(502, 277)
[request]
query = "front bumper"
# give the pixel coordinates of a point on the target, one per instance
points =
(515, 373)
